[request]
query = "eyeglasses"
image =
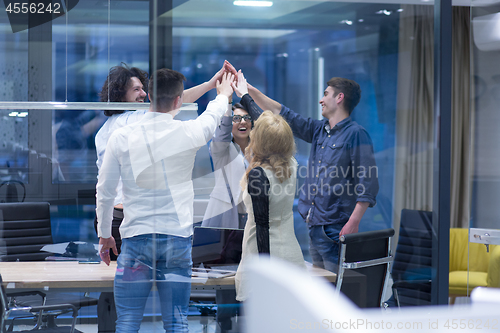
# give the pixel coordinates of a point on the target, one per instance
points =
(238, 118)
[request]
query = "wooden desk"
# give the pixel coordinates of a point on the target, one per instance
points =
(56, 275)
(46, 275)
(71, 275)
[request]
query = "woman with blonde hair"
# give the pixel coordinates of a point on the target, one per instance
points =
(269, 190)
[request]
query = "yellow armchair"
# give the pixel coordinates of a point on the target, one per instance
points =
(483, 270)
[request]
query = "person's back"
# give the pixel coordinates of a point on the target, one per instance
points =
(269, 191)
(162, 191)
(283, 243)
(113, 123)
(154, 157)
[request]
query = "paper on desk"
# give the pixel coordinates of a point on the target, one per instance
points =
(60, 248)
(211, 273)
(200, 273)
(177, 278)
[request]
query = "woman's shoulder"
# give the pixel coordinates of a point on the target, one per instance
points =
(258, 172)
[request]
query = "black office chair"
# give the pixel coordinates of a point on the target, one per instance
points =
(10, 191)
(368, 253)
(10, 311)
(412, 267)
(24, 229)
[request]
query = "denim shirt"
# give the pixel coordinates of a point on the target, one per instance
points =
(341, 169)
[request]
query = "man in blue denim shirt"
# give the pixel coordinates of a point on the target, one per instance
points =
(342, 177)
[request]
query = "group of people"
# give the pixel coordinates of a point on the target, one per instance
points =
(145, 193)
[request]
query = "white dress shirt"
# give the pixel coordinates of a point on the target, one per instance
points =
(101, 139)
(155, 159)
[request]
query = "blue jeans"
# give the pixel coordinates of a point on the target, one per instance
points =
(324, 246)
(163, 260)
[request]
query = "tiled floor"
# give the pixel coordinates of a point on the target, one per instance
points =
(196, 325)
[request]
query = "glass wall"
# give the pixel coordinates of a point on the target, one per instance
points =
(85, 43)
(14, 148)
(288, 51)
(483, 253)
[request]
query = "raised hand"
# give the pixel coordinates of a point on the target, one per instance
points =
(217, 77)
(230, 68)
(224, 85)
(226, 68)
(241, 86)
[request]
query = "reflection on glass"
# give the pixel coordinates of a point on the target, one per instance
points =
(485, 89)
(89, 45)
(14, 153)
(73, 145)
(412, 267)
(14, 147)
(288, 51)
(292, 63)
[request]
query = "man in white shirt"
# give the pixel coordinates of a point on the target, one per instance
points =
(154, 158)
(129, 84)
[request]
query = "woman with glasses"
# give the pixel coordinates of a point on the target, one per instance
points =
(225, 208)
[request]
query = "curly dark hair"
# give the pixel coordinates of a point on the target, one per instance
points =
(116, 84)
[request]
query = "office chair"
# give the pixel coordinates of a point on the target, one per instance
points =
(286, 299)
(411, 270)
(11, 191)
(369, 253)
(24, 229)
(8, 312)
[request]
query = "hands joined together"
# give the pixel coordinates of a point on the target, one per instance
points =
(227, 80)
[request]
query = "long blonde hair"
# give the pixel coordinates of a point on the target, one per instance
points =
(271, 144)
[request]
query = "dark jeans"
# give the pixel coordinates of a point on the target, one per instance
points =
(324, 246)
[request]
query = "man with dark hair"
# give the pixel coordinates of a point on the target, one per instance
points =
(154, 157)
(341, 181)
(165, 78)
(124, 84)
(350, 89)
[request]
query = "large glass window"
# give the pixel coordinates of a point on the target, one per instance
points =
(14, 149)
(85, 43)
(483, 253)
(289, 51)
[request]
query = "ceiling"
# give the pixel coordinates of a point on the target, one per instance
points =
(223, 13)
(205, 19)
